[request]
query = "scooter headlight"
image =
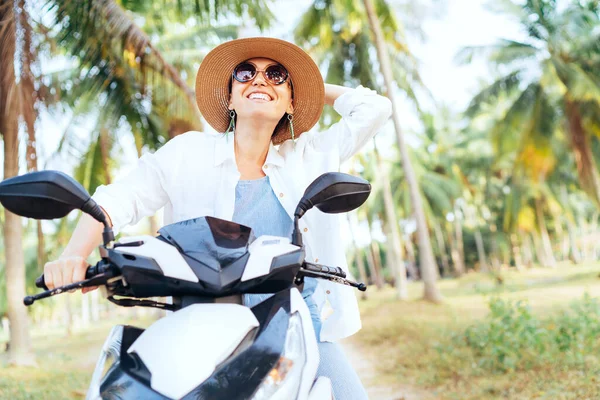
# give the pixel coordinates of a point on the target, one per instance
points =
(109, 356)
(283, 381)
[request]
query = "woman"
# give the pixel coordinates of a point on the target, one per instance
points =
(261, 92)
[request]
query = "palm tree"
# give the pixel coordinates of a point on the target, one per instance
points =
(337, 34)
(11, 107)
(427, 261)
(144, 87)
(552, 86)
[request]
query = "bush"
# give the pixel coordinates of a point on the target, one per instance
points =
(512, 338)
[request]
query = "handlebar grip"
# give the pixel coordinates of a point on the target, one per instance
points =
(39, 282)
(337, 271)
(89, 272)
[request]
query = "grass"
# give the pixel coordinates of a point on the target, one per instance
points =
(415, 342)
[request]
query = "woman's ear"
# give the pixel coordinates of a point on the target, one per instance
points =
(290, 109)
(230, 106)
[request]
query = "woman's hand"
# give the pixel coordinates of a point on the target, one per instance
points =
(332, 92)
(64, 271)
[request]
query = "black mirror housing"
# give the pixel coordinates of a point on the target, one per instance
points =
(47, 195)
(333, 193)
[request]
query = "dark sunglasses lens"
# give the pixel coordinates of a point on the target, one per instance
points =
(245, 72)
(276, 74)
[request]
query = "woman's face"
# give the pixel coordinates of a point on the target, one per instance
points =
(259, 98)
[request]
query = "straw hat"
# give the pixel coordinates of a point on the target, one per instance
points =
(214, 75)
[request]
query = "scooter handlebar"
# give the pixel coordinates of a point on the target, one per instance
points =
(91, 271)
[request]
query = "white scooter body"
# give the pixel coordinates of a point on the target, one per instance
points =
(183, 349)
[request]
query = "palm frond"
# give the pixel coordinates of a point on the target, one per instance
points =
(581, 85)
(504, 52)
(490, 94)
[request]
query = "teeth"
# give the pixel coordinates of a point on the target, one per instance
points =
(261, 96)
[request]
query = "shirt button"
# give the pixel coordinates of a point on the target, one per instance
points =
(266, 166)
(305, 229)
(329, 292)
(316, 260)
(280, 194)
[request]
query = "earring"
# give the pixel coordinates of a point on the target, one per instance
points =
(291, 119)
(231, 127)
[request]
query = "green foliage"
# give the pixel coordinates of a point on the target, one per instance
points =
(513, 338)
(548, 86)
(510, 338)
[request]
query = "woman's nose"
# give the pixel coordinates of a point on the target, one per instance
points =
(259, 79)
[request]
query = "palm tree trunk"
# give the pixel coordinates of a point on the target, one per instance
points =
(376, 270)
(394, 243)
(28, 96)
(439, 236)
(574, 254)
(95, 314)
(362, 273)
(352, 223)
(561, 236)
(540, 254)
(593, 231)
(527, 249)
(516, 252)
(457, 265)
(68, 316)
(372, 269)
(582, 149)
(377, 264)
(494, 257)
(85, 310)
(376, 275)
(428, 265)
(411, 265)
(546, 244)
(483, 266)
(460, 246)
(20, 348)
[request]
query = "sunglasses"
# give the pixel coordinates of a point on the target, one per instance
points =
(274, 74)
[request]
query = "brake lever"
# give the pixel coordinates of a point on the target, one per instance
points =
(314, 274)
(97, 280)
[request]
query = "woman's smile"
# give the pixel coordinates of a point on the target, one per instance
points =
(260, 97)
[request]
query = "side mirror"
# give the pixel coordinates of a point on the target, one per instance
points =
(332, 193)
(49, 195)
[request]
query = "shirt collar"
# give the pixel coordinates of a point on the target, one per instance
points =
(273, 156)
(225, 151)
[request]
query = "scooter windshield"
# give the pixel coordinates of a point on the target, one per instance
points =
(211, 241)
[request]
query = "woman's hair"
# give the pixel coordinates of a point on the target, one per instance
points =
(284, 119)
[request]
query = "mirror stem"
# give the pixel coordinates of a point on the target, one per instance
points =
(297, 235)
(92, 208)
(107, 235)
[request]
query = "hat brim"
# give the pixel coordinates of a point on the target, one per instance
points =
(214, 74)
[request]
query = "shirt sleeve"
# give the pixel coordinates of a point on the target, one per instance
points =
(363, 113)
(143, 190)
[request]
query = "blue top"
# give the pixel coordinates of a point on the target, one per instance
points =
(257, 206)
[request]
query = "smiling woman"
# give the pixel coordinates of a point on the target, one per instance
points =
(263, 95)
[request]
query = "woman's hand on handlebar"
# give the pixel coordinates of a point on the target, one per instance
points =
(66, 270)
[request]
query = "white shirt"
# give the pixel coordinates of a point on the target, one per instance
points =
(195, 175)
